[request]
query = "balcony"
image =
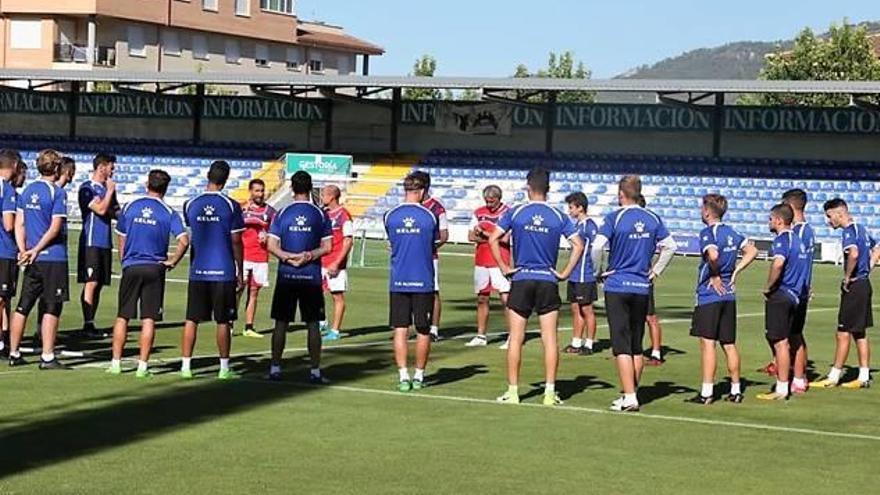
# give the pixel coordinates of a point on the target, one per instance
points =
(105, 56)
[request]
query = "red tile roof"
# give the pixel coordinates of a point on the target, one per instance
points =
(340, 41)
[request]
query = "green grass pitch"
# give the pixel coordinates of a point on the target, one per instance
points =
(83, 431)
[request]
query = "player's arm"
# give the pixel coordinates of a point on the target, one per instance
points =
(20, 234)
(444, 231)
(597, 253)
(710, 254)
(50, 235)
(179, 251)
(495, 248)
(774, 275)
(667, 251)
(238, 255)
(274, 247)
(875, 256)
(9, 221)
(322, 250)
(577, 250)
(850, 261)
(749, 254)
(105, 205)
(120, 238)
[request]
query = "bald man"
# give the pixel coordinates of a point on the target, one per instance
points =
(334, 264)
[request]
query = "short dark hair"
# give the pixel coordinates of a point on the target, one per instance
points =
(642, 201)
(67, 164)
(9, 158)
(578, 199)
(796, 198)
(424, 177)
(538, 180)
(716, 203)
(158, 180)
(835, 203)
(218, 174)
(630, 186)
(48, 162)
(301, 182)
(256, 182)
(784, 212)
(101, 159)
(414, 182)
(492, 191)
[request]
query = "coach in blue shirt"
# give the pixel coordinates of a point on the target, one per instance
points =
(633, 234)
(215, 272)
(143, 227)
(535, 230)
(299, 236)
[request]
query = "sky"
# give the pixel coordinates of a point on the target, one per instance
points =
(491, 37)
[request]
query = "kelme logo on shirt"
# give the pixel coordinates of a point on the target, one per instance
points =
(299, 225)
(35, 202)
(537, 225)
(639, 233)
(146, 217)
(408, 227)
(208, 216)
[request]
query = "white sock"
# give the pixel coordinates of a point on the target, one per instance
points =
(224, 364)
(655, 353)
(142, 366)
(707, 390)
(800, 382)
(588, 343)
(577, 342)
(274, 369)
(322, 323)
(184, 363)
(2, 344)
(404, 374)
(115, 363)
(46, 357)
(435, 329)
(834, 374)
(630, 400)
(735, 389)
(16, 354)
(864, 374)
(419, 375)
(782, 388)
(550, 389)
(315, 372)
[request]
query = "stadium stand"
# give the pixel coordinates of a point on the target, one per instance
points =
(673, 185)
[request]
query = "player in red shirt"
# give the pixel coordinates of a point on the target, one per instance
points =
(439, 211)
(257, 218)
(487, 275)
(333, 266)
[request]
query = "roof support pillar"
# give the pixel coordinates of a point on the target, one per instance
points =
(198, 110)
(328, 124)
(395, 118)
(549, 121)
(73, 108)
(717, 124)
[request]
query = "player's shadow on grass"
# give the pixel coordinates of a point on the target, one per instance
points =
(445, 376)
(568, 388)
(661, 389)
(78, 433)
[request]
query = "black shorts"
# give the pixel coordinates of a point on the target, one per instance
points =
(93, 265)
(287, 297)
(47, 282)
(800, 316)
(715, 321)
(142, 292)
(539, 296)
(626, 321)
(211, 299)
(855, 313)
(652, 310)
(779, 312)
(583, 294)
(411, 308)
(8, 278)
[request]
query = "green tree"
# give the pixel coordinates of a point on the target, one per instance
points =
(424, 67)
(845, 54)
(562, 66)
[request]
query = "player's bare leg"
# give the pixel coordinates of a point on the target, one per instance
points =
(516, 325)
(548, 323)
(338, 310)
(577, 330)
(188, 342)
(656, 333)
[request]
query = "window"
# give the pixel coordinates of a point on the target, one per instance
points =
(242, 7)
(316, 66)
(261, 55)
(209, 5)
(171, 43)
(233, 53)
(26, 34)
(200, 47)
(136, 47)
(294, 59)
(280, 6)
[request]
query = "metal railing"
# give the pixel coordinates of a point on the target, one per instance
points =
(78, 54)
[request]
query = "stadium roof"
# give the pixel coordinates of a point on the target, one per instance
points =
(496, 84)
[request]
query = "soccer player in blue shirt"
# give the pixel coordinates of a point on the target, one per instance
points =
(582, 287)
(299, 236)
(797, 200)
(856, 315)
(412, 231)
(8, 248)
(216, 266)
(782, 292)
(40, 234)
(143, 227)
(98, 206)
(535, 231)
(714, 318)
(633, 234)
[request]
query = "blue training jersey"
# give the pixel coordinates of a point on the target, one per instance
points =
(301, 226)
(535, 229)
(40, 202)
(212, 218)
(96, 228)
(8, 247)
(788, 246)
(584, 271)
(856, 236)
(412, 230)
(808, 239)
(633, 234)
(146, 224)
(728, 242)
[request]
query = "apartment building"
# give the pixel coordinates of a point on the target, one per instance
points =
(175, 36)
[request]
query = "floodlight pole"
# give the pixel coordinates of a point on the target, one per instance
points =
(549, 121)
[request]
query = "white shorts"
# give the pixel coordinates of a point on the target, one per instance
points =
(436, 275)
(487, 280)
(256, 274)
(336, 284)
